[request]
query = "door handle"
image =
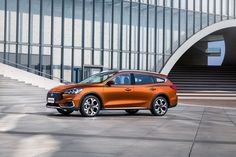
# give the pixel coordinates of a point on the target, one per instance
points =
(152, 89)
(128, 89)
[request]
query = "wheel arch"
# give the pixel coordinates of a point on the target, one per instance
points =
(93, 94)
(163, 95)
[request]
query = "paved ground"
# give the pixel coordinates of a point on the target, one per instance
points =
(32, 130)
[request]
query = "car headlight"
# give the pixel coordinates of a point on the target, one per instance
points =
(73, 91)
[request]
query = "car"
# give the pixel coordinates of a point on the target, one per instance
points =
(118, 90)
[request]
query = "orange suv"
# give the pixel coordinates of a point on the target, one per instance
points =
(125, 90)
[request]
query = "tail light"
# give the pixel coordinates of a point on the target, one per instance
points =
(173, 87)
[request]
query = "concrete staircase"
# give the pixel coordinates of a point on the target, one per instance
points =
(205, 82)
(20, 96)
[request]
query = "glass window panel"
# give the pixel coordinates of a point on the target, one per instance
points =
(160, 2)
(35, 57)
(107, 59)
(176, 4)
(23, 20)
(11, 18)
(190, 23)
(68, 23)
(116, 33)
(167, 30)
(151, 31)
(126, 19)
(143, 28)
(218, 7)
(142, 61)
(46, 60)
(175, 29)
(77, 58)
(168, 3)
(67, 64)
(115, 60)
(224, 6)
(1, 50)
(23, 54)
(197, 5)
(134, 27)
(151, 66)
(88, 23)
(204, 6)
(159, 62)
(35, 18)
(159, 34)
(2, 7)
(211, 6)
(87, 57)
(107, 25)
(134, 58)
(46, 22)
(97, 57)
(78, 22)
(57, 22)
(183, 4)
(204, 20)
(211, 19)
(197, 21)
(56, 62)
(190, 4)
(182, 26)
(125, 60)
(231, 7)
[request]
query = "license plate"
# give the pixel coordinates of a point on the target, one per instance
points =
(51, 100)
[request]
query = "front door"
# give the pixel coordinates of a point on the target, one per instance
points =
(119, 95)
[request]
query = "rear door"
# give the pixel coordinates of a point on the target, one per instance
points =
(144, 87)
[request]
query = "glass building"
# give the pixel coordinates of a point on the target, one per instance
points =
(72, 39)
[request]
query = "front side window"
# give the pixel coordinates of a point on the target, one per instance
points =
(140, 79)
(98, 78)
(122, 79)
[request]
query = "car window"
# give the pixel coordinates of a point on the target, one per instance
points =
(143, 79)
(122, 79)
(158, 79)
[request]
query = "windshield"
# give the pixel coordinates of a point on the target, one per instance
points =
(98, 78)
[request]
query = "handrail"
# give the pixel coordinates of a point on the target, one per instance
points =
(31, 70)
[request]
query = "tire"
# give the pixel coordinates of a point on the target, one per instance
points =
(132, 111)
(159, 106)
(65, 111)
(90, 106)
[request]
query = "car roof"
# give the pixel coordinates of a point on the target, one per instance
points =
(136, 71)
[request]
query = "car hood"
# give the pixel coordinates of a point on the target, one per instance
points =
(62, 88)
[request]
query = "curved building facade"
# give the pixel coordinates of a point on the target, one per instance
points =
(72, 39)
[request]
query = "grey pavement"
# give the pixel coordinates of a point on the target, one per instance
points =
(28, 129)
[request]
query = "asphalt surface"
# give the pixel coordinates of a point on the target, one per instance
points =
(184, 131)
(28, 129)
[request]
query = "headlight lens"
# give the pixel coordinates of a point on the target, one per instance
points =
(73, 91)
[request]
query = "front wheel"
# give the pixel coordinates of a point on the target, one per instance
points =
(64, 111)
(131, 111)
(159, 106)
(90, 106)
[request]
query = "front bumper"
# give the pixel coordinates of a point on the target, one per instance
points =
(67, 105)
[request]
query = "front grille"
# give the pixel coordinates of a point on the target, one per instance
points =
(52, 105)
(56, 96)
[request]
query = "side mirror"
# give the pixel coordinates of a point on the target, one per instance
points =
(110, 83)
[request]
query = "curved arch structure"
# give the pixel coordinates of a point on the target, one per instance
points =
(193, 40)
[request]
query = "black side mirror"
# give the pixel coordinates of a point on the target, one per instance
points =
(110, 83)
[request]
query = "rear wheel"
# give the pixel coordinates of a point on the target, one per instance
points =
(159, 106)
(131, 111)
(90, 106)
(64, 111)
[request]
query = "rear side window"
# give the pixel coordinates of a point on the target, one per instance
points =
(140, 79)
(158, 79)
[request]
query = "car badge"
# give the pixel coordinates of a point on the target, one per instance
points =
(51, 94)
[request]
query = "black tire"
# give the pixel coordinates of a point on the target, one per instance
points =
(64, 111)
(159, 106)
(90, 106)
(131, 111)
